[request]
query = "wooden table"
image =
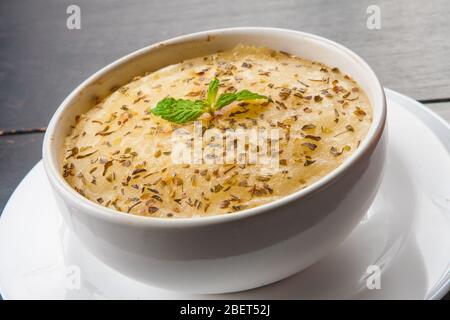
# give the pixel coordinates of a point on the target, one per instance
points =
(42, 61)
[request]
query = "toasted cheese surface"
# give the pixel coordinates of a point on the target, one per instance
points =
(121, 156)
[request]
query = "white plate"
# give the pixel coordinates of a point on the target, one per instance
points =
(406, 233)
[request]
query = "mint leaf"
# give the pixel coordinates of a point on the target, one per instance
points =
(179, 111)
(225, 99)
(182, 111)
(248, 95)
(212, 92)
(244, 95)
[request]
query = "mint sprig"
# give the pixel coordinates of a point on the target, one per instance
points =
(213, 88)
(179, 111)
(183, 111)
(244, 95)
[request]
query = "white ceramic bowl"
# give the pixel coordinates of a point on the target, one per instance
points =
(234, 252)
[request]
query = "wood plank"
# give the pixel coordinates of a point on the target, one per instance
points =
(18, 154)
(442, 109)
(42, 61)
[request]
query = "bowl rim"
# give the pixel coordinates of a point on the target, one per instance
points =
(63, 188)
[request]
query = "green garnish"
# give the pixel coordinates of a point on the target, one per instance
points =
(213, 88)
(244, 95)
(183, 111)
(179, 111)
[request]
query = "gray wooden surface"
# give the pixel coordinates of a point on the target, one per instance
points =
(41, 61)
(442, 109)
(18, 154)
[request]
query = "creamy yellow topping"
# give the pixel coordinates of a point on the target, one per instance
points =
(119, 154)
